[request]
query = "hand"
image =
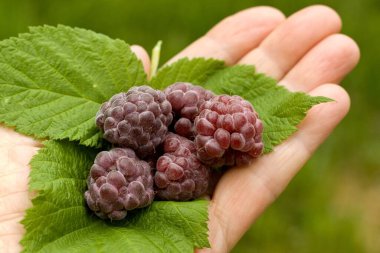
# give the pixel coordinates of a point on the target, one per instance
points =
(305, 52)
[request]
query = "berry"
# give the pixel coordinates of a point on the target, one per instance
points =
(138, 119)
(186, 99)
(229, 132)
(119, 181)
(180, 175)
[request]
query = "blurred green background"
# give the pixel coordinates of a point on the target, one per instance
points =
(333, 205)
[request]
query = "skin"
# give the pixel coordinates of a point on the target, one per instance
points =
(305, 52)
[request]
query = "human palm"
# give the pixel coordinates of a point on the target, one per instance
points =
(304, 52)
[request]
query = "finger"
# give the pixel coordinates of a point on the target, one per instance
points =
(234, 36)
(16, 150)
(327, 62)
(243, 193)
(143, 56)
(14, 200)
(281, 50)
(9, 136)
(11, 243)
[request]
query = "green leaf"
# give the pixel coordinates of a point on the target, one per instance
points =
(280, 110)
(60, 222)
(53, 80)
(196, 70)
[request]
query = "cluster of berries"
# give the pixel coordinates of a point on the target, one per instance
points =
(167, 143)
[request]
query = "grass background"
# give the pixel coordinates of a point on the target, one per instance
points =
(333, 205)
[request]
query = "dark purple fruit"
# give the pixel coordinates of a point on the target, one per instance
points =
(138, 119)
(119, 181)
(186, 100)
(179, 173)
(229, 132)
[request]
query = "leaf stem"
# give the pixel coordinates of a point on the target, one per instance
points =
(155, 59)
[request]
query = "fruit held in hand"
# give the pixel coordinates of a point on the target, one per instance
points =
(119, 181)
(180, 175)
(138, 119)
(229, 132)
(186, 99)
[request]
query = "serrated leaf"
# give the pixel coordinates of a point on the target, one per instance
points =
(196, 70)
(60, 222)
(53, 80)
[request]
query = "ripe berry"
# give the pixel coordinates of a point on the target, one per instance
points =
(180, 175)
(229, 132)
(119, 182)
(138, 119)
(186, 99)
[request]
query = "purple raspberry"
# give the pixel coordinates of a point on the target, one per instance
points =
(119, 181)
(229, 132)
(138, 119)
(186, 99)
(180, 175)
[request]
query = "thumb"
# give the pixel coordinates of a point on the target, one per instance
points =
(143, 56)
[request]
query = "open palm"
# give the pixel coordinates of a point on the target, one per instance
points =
(304, 52)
